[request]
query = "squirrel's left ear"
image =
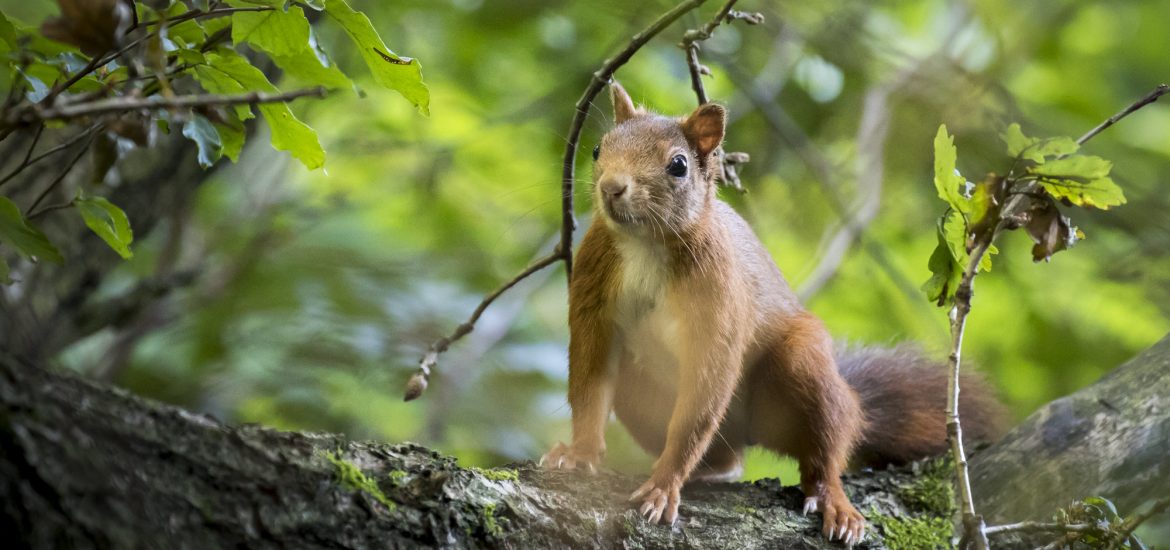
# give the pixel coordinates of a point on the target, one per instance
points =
(704, 128)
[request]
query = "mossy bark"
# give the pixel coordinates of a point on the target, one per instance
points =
(1111, 439)
(85, 465)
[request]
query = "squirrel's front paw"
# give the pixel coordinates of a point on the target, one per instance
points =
(659, 501)
(567, 457)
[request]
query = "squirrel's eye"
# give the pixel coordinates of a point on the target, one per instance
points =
(596, 151)
(677, 166)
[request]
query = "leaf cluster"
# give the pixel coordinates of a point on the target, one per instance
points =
(151, 56)
(1045, 173)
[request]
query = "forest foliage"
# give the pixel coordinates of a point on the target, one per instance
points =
(342, 235)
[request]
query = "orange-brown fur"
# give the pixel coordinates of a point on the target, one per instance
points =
(681, 324)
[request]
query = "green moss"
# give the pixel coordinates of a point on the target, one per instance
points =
(933, 490)
(397, 477)
(745, 510)
(489, 521)
(915, 533)
(351, 478)
(498, 474)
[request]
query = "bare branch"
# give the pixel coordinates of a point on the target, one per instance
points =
(53, 150)
(1040, 527)
(418, 383)
(870, 171)
(690, 44)
(730, 162)
(128, 104)
(60, 177)
(27, 155)
(99, 61)
(1149, 98)
(1160, 505)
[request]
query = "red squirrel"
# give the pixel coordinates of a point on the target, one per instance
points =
(681, 324)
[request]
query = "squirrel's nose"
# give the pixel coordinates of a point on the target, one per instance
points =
(613, 188)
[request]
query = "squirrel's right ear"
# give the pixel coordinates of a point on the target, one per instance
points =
(623, 106)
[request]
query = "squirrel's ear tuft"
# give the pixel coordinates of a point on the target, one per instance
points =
(704, 128)
(623, 106)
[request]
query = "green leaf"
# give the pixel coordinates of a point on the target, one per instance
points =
(109, 222)
(219, 82)
(1016, 141)
(1080, 180)
(402, 74)
(17, 233)
(7, 34)
(1080, 167)
(287, 38)
(232, 134)
(228, 72)
(203, 133)
(1036, 150)
(4, 272)
(947, 180)
(950, 257)
(276, 32)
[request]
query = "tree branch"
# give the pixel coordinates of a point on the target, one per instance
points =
(127, 104)
(1149, 98)
(27, 155)
(60, 177)
(101, 60)
(418, 383)
(730, 162)
(974, 529)
(58, 148)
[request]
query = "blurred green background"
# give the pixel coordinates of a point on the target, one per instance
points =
(321, 290)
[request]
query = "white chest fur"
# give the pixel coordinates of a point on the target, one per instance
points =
(647, 323)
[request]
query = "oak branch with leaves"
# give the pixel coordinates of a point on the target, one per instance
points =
(112, 75)
(1044, 172)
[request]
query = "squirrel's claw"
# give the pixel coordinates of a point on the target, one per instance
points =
(843, 522)
(659, 502)
(565, 457)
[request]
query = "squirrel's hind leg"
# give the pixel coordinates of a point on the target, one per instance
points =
(802, 407)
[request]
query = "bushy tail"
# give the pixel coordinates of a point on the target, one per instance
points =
(904, 396)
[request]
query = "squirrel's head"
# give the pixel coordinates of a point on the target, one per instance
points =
(655, 175)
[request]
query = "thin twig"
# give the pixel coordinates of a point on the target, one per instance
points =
(1149, 98)
(55, 149)
(418, 383)
(50, 208)
(690, 44)
(128, 104)
(27, 155)
(101, 60)
(1040, 527)
(729, 162)
(1133, 522)
(60, 177)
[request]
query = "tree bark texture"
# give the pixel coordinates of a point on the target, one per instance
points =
(1111, 439)
(86, 465)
